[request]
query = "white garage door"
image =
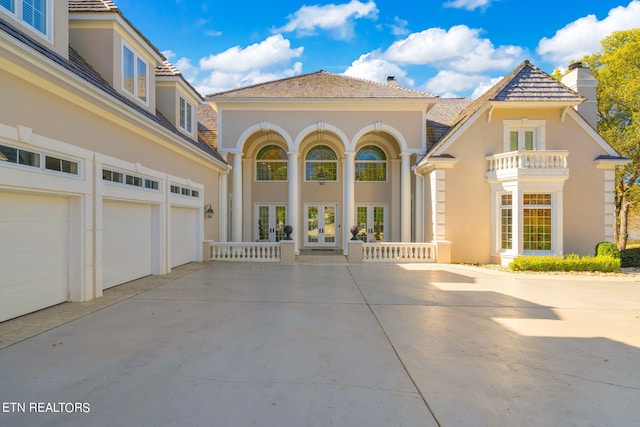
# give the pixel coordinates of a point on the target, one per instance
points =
(34, 242)
(126, 236)
(184, 241)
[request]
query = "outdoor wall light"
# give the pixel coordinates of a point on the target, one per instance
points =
(208, 210)
(322, 177)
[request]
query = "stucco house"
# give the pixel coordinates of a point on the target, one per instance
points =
(105, 175)
(520, 170)
(113, 167)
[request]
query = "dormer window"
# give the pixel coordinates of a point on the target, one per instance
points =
(34, 13)
(186, 116)
(524, 135)
(134, 74)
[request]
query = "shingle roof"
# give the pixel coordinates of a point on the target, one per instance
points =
(167, 69)
(78, 66)
(91, 5)
(322, 84)
(527, 83)
(207, 124)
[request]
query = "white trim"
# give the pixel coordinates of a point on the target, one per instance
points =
(192, 121)
(258, 127)
(324, 127)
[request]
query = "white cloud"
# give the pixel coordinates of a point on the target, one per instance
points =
(399, 27)
(218, 81)
(468, 4)
(169, 54)
(338, 19)
(461, 47)
(273, 51)
(370, 67)
(451, 84)
(582, 36)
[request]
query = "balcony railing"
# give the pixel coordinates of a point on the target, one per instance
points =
(398, 252)
(244, 251)
(528, 160)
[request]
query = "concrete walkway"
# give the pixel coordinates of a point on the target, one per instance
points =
(335, 345)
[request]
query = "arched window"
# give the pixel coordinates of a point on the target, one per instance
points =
(371, 164)
(271, 164)
(321, 164)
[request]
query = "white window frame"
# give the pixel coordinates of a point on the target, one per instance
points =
(188, 116)
(17, 14)
(136, 58)
(538, 127)
(42, 163)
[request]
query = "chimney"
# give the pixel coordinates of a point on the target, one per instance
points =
(391, 81)
(581, 80)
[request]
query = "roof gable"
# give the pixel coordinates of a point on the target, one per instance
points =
(526, 84)
(322, 84)
(91, 6)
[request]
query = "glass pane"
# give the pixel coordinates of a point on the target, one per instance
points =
(321, 152)
(52, 163)
(513, 140)
(8, 154)
(528, 140)
(312, 224)
(127, 69)
(371, 152)
(281, 221)
(28, 158)
(378, 223)
(371, 171)
(329, 224)
(34, 13)
(7, 4)
(183, 122)
(189, 118)
(361, 216)
(272, 152)
(70, 167)
(142, 79)
(263, 222)
(507, 228)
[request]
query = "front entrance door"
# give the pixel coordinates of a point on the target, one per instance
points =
(321, 225)
(270, 222)
(371, 219)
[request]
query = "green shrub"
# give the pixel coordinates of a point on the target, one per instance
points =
(571, 262)
(607, 249)
(630, 257)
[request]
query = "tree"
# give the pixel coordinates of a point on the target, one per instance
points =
(617, 68)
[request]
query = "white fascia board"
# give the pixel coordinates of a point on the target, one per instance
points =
(19, 58)
(471, 120)
(534, 104)
(177, 81)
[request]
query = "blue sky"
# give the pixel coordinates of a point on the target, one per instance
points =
(445, 47)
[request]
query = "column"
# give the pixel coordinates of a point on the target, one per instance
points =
(405, 197)
(293, 207)
(236, 232)
(349, 197)
(419, 208)
(223, 206)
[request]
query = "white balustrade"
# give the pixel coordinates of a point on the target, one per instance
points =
(528, 160)
(245, 251)
(399, 252)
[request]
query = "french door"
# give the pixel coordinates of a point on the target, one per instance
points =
(270, 222)
(372, 221)
(321, 225)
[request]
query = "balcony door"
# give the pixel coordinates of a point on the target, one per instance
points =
(270, 222)
(321, 225)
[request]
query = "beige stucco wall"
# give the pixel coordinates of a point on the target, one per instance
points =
(235, 122)
(97, 47)
(468, 193)
(53, 116)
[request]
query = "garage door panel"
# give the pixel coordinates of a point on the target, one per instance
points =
(127, 231)
(183, 235)
(34, 257)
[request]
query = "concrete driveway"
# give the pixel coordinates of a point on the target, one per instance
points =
(339, 345)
